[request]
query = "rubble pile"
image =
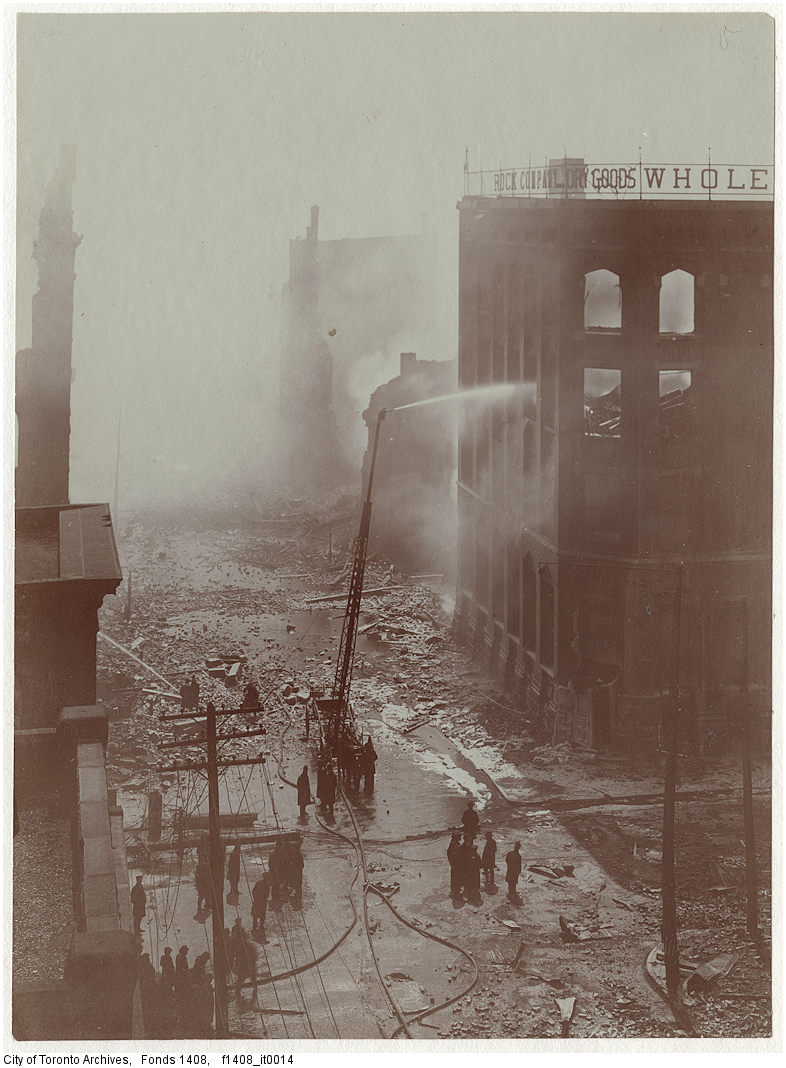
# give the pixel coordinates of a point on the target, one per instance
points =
(263, 602)
(43, 921)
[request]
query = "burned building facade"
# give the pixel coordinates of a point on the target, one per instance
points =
(615, 511)
(349, 306)
(414, 482)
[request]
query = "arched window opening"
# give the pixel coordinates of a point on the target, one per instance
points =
(676, 303)
(602, 301)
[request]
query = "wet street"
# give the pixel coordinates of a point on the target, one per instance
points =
(441, 738)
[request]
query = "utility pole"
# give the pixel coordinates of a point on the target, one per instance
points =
(751, 876)
(220, 963)
(668, 877)
(211, 766)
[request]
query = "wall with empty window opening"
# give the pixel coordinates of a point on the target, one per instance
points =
(676, 303)
(602, 300)
(602, 402)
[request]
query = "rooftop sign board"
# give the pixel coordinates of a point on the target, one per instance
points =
(574, 179)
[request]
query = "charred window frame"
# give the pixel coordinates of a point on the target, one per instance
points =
(602, 402)
(676, 417)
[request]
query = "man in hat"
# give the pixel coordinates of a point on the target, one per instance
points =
(513, 865)
(138, 904)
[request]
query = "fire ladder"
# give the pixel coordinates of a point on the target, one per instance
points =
(336, 712)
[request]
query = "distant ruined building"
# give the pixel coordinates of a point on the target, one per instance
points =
(349, 306)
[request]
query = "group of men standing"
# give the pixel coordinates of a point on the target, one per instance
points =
(354, 763)
(179, 1000)
(466, 864)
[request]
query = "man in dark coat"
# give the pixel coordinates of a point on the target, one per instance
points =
(367, 765)
(167, 971)
(276, 868)
(472, 875)
(303, 791)
(233, 870)
(470, 821)
(138, 904)
(204, 885)
(454, 859)
(489, 858)
(259, 896)
(328, 788)
(294, 870)
(183, 987)
(513, 864)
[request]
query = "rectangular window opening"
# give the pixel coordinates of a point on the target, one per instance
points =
(602, 402)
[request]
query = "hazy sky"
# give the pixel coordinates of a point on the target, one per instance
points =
(203, 139)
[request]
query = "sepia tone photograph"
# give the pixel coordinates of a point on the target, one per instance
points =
(390, 640)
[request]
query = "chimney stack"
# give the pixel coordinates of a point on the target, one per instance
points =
(312, 232)
(408, 361)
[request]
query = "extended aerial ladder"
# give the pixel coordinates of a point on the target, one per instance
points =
(337, 719)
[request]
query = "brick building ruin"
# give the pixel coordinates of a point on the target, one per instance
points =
(638, 447)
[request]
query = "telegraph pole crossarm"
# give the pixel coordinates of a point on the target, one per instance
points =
(210, 739)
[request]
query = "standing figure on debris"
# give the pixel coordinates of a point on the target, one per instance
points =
(513, 863)
(489, 858)
(303, 791)
(138, 904)
(470, 821)
(250, 698)
(233, 870)
(472, 865)
(259, 896)
(329, 789)
(368, 763)
(454, 859)
(167, 971)
(189, 694)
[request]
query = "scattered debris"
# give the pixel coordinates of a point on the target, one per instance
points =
(566, 1008)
